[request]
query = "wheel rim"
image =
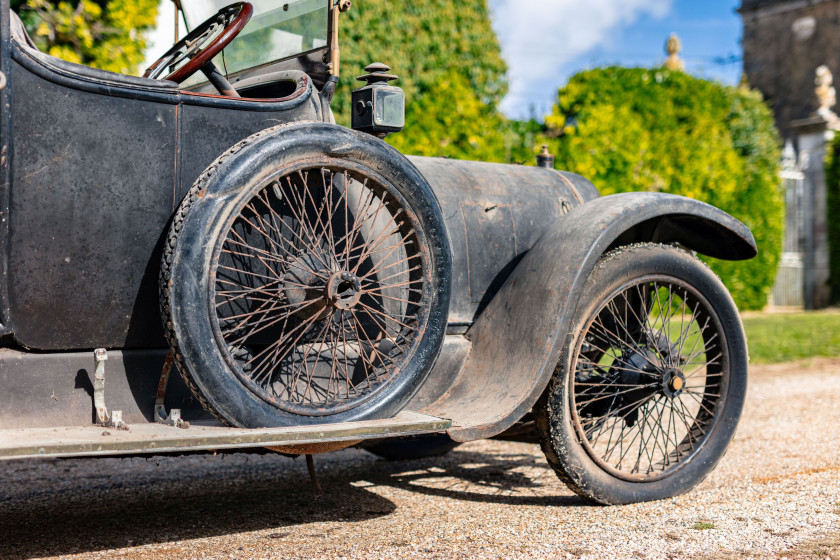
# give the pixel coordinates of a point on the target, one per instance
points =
(650, 374)
(321, 288)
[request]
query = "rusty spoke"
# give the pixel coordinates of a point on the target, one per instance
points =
(305, 360)
(630, 414)
(305, 328)
(248, 273)
(257, 256)
(400, 273)
(359, 219)
(371, 246)
(357, 225)
(269, 228)
(303, 222)
(233, 295)
(304, 245)
(385, 316)
(263, 309)
(348, 380)
(273, 349)
(376, 270)
(254, 252)
(271, 322)
(373, 348)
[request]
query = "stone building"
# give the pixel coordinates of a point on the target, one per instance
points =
(784, 42)
(791, 53)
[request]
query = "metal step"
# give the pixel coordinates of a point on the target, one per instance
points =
(159, 438)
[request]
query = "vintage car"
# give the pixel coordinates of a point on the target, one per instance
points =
(317, 289)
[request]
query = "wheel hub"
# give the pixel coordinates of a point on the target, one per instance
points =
(635, 370)
(344, 290)
(673, 382)
(643, 368)
(307, 281)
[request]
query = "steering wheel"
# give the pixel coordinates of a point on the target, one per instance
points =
(231, 20)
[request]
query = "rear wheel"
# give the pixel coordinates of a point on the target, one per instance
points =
(304, 287)
(655, 382)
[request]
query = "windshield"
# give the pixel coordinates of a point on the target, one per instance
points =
(277, 30)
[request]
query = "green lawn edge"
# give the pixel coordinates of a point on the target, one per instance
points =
(787, 337)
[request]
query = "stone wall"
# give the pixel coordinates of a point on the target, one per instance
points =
(784, 42)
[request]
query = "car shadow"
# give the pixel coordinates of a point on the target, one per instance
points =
(53, 507)
(479, 477)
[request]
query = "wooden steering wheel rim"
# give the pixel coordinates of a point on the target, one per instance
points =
(206, 54)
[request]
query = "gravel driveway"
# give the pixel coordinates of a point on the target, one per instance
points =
(776, 494)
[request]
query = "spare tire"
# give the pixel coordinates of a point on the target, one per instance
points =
(305, 279)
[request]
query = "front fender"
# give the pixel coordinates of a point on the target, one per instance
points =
(518, 339)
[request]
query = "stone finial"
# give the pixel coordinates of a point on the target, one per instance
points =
(672, 48)
(789, 157)
(826, 94)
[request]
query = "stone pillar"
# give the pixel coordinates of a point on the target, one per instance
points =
(812, 137)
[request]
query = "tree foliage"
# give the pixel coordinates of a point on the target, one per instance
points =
(832, 182)
(632, 129)
(446, 54)
(451, 68)
(104, 34)
(625, 129)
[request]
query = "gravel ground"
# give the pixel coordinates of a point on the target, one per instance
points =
(775, 495)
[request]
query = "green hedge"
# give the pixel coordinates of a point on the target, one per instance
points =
(832, 183)
(633, 129)
(106, 34)
(450, 66)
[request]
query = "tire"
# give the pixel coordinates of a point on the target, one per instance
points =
(418, 447)
(305, 279)
(655, 383)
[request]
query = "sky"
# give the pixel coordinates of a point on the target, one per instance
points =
(545, 42)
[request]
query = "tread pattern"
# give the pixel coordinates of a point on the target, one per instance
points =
(543, 421)
(545, 416)
(165, 281)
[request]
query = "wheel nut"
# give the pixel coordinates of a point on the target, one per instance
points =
(677, 383)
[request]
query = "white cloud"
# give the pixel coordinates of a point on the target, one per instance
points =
(540, 37)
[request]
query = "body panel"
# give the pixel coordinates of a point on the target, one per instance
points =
(93, 188)
(494, 214)
(517, 340)
(96, 177)
(100, 162)
(47, 389)
(5, 164)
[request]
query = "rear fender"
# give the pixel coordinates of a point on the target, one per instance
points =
(518, 339)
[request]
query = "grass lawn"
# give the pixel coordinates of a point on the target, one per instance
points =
(784, 337)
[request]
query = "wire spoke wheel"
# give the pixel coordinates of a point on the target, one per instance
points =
(645, 400)
(306, 280)
(649, 375)
(321, 289)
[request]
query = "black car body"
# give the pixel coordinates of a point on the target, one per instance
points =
(96, 166)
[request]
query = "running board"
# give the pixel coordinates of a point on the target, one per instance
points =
(95, 441)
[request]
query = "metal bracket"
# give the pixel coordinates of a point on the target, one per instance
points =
(103, 417)
(174, 416)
